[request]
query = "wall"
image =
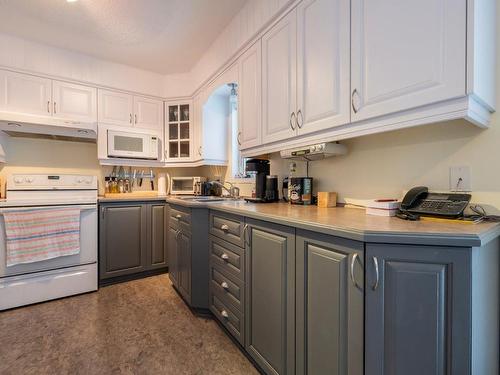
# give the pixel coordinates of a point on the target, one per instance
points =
(26, 155)
(35, 57)
(250, 19)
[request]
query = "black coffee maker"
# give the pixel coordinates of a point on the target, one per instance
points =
(259, 168)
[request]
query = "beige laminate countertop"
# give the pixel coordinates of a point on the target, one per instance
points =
(354, 223)
(126, 197)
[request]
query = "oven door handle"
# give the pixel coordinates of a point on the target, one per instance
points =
(82, 207)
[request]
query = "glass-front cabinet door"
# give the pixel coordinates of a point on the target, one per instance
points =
(178, 132)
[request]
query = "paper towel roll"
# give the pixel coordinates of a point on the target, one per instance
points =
(162, 184)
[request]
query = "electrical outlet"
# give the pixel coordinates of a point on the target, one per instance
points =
(460, 178)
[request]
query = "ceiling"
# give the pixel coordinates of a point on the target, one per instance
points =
(164, 36)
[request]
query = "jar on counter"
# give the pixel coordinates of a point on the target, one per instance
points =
(107, 184)
(113, 186)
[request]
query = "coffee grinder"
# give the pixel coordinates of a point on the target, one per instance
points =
(260, 168)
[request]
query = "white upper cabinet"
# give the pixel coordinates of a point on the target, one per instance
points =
(249, 106)
(178, 131)
(323, 64)
(148, 113)
(24, 93)
(279, 76)
(197, 115)
(116, 108)
(406, 54)
(74, 102)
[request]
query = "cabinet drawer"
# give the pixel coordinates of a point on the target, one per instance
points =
(178, 216)
(229, 288)
(227, 256)
(231, 319)
(228, 227)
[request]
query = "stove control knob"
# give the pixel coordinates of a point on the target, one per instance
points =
(79, 180)
(321, 147)
(29, 180)
(18, 180)
(88, 181)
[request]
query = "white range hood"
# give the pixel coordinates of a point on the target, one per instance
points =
(15, 124)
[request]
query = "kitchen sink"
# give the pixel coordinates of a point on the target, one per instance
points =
(205, 199)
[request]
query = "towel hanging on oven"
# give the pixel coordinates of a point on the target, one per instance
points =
(34, 235)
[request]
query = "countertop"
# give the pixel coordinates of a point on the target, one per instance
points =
(126, 197)
(355, 224)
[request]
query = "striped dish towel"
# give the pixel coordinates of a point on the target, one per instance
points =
(33, 235)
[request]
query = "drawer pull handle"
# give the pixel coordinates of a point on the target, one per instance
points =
(224, 285)
(224, 256)
(377, 275)
(224, 314)
(224, 228)
(178, 216)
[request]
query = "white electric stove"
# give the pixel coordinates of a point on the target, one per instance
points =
(24, 284)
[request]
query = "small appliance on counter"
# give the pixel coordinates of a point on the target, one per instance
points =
(186, 185)
(260, 168)
(301, 190)
(272, 193)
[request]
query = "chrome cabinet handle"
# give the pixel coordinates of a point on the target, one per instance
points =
(178, 216)
(301, 122)
(224, 256)
(353, 262)
(238, 138)
(199, 151)
(224, 314)
(377, 275)
(130, 118)
(354, 92)
(48, 106)
(135, 117)
(102, 212)
(224, 285)
(292, 116)
(224, 228)
(54, 108)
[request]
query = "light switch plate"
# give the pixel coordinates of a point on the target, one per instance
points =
(460, 178)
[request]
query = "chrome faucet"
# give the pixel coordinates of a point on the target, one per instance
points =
(233, 191)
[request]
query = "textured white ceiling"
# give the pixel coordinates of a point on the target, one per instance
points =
(165, 36)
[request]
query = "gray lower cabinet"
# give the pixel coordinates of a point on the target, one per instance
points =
(188, 253)
(330, 305)
(418, 312)
(270, 296)
(132, 238)
(157, 235)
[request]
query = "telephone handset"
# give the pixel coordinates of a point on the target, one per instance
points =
(418, 201)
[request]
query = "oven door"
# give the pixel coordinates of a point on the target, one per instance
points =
(132, 145)
(88, 245)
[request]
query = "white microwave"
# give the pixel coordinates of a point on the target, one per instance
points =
(186, 185)
(132, 145)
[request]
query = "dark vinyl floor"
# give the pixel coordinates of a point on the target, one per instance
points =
(138, 327)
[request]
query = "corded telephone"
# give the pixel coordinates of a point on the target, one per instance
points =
(419, 201)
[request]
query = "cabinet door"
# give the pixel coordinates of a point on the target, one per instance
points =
(323, 64)
(270, 296)
(24, 93)
(74, 102)
(198, 149)
(148, 113)
(406, 54)
(417, 310)
(173, 256)
(330, 300)
(178, 132)
(250, 98)
(123, 240)
(115, 108)
(184, 265)
(157, 236)
(279, 80)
